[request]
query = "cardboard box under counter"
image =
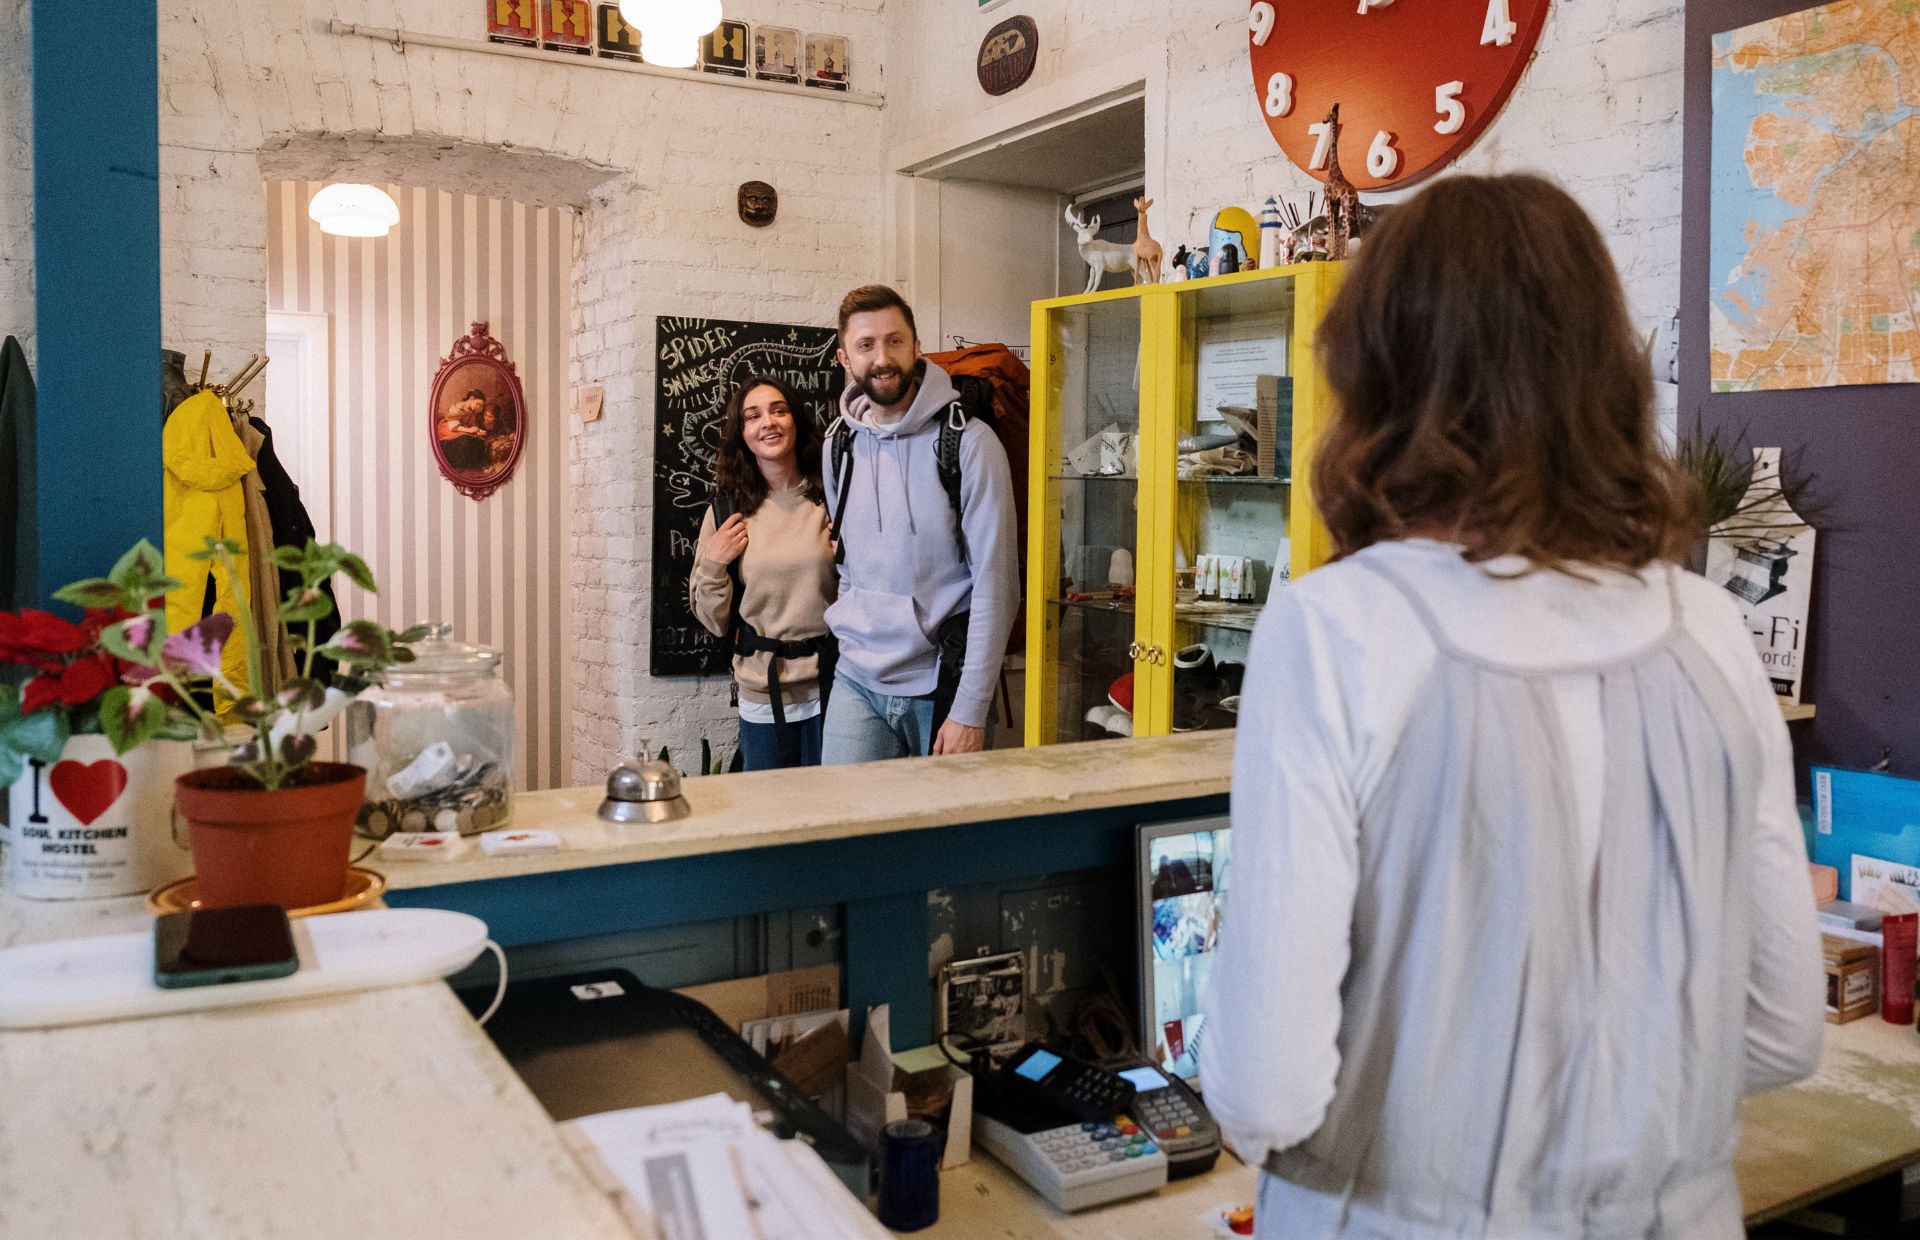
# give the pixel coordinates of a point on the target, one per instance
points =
(1852, 970)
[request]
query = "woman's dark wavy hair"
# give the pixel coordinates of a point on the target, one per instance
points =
(737, 472)
(1487, 381)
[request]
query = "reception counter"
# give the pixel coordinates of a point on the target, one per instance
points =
(874, 839)
(390, 1113)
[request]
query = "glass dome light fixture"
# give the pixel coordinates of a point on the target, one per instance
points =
(671, 30)
(670, 51)
(347, 210)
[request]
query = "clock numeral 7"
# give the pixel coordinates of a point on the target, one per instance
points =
(1499, 27)
(1260, 23)
(1323, 144)
(1382, 160)
(1446, 101)
(1279, 94)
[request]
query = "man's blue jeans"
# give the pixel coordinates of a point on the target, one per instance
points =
(864, 726)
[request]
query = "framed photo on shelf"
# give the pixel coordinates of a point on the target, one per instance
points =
(724, 51)
(567, 26)
(827, 61)
(513, 21)
(617, 39)
(776, 54)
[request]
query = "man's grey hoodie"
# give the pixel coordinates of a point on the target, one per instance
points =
(904, 573)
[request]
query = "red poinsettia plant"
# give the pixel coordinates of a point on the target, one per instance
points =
(68, 665)
(68, 670)
(118, 672)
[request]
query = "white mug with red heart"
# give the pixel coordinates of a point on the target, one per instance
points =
(93, 824)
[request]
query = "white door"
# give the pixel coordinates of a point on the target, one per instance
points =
(300, 407)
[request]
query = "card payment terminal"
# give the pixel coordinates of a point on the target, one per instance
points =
(1173, 1115)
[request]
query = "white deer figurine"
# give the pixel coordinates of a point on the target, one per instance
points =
(1100, 256)
(1147, 254)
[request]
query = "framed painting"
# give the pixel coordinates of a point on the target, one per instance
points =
(477, 415)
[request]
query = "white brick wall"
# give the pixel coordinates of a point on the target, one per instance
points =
(1599, 110)
(247, 86)
(247, 92)
(16, 176)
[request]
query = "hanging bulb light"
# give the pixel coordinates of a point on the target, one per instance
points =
(670, 51)
(671, 30)
(353, 211)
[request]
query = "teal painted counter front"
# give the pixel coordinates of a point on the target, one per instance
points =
(881, 880)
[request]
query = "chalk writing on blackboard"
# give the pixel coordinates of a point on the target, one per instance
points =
(698, 362)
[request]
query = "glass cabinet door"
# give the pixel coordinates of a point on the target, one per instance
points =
(1086, 513)
(1226, 454)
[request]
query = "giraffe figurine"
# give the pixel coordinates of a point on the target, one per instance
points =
(1343, 200)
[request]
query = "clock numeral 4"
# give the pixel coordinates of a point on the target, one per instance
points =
(1323, 143)
(1499, 27)
(1279, 94)
(1382, 160)
(1260, 23)
(1446, 101)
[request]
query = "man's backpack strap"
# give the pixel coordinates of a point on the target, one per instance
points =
(840, 442)
(946, 456)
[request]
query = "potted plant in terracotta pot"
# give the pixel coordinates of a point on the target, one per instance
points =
(272, 826)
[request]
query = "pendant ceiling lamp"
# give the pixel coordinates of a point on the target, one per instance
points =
(353, 211)
(671, 30)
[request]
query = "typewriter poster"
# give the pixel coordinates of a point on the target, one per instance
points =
(1768, 567)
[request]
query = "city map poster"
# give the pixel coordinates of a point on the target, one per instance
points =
(1815, 231)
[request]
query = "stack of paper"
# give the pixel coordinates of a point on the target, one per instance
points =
(704, 1170)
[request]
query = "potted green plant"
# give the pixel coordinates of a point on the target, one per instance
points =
(1734, 505)
(272, 825)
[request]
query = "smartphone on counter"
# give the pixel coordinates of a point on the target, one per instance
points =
(212, 946)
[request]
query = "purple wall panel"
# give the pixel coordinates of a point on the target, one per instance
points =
(1864, 443)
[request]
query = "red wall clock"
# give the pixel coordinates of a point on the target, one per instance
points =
(1417, 81)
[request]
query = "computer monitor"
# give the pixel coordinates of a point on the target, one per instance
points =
(1183, 875)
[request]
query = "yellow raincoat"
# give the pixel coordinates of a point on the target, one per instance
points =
(205, 463)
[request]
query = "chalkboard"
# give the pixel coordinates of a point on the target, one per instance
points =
(698, 364)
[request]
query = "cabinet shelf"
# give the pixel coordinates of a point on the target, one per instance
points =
(1117, 606)
(1238, 616)
(1237, 480)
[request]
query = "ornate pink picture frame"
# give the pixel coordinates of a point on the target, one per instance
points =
(477, 415)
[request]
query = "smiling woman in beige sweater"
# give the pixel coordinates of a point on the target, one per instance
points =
(764, 574)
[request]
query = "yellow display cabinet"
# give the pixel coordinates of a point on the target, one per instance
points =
(1173, 427)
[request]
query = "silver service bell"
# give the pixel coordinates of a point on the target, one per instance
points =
(644, 791)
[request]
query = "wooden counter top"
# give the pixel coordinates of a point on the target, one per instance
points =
(769, 808)
(1855, 1119)
(385, 1113)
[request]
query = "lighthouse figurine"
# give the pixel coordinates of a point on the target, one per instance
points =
(1273, 233)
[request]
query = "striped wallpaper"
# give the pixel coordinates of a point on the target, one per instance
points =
(495, 568)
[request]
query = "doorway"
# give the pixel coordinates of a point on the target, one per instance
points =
(300, 399)
(357, 328)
